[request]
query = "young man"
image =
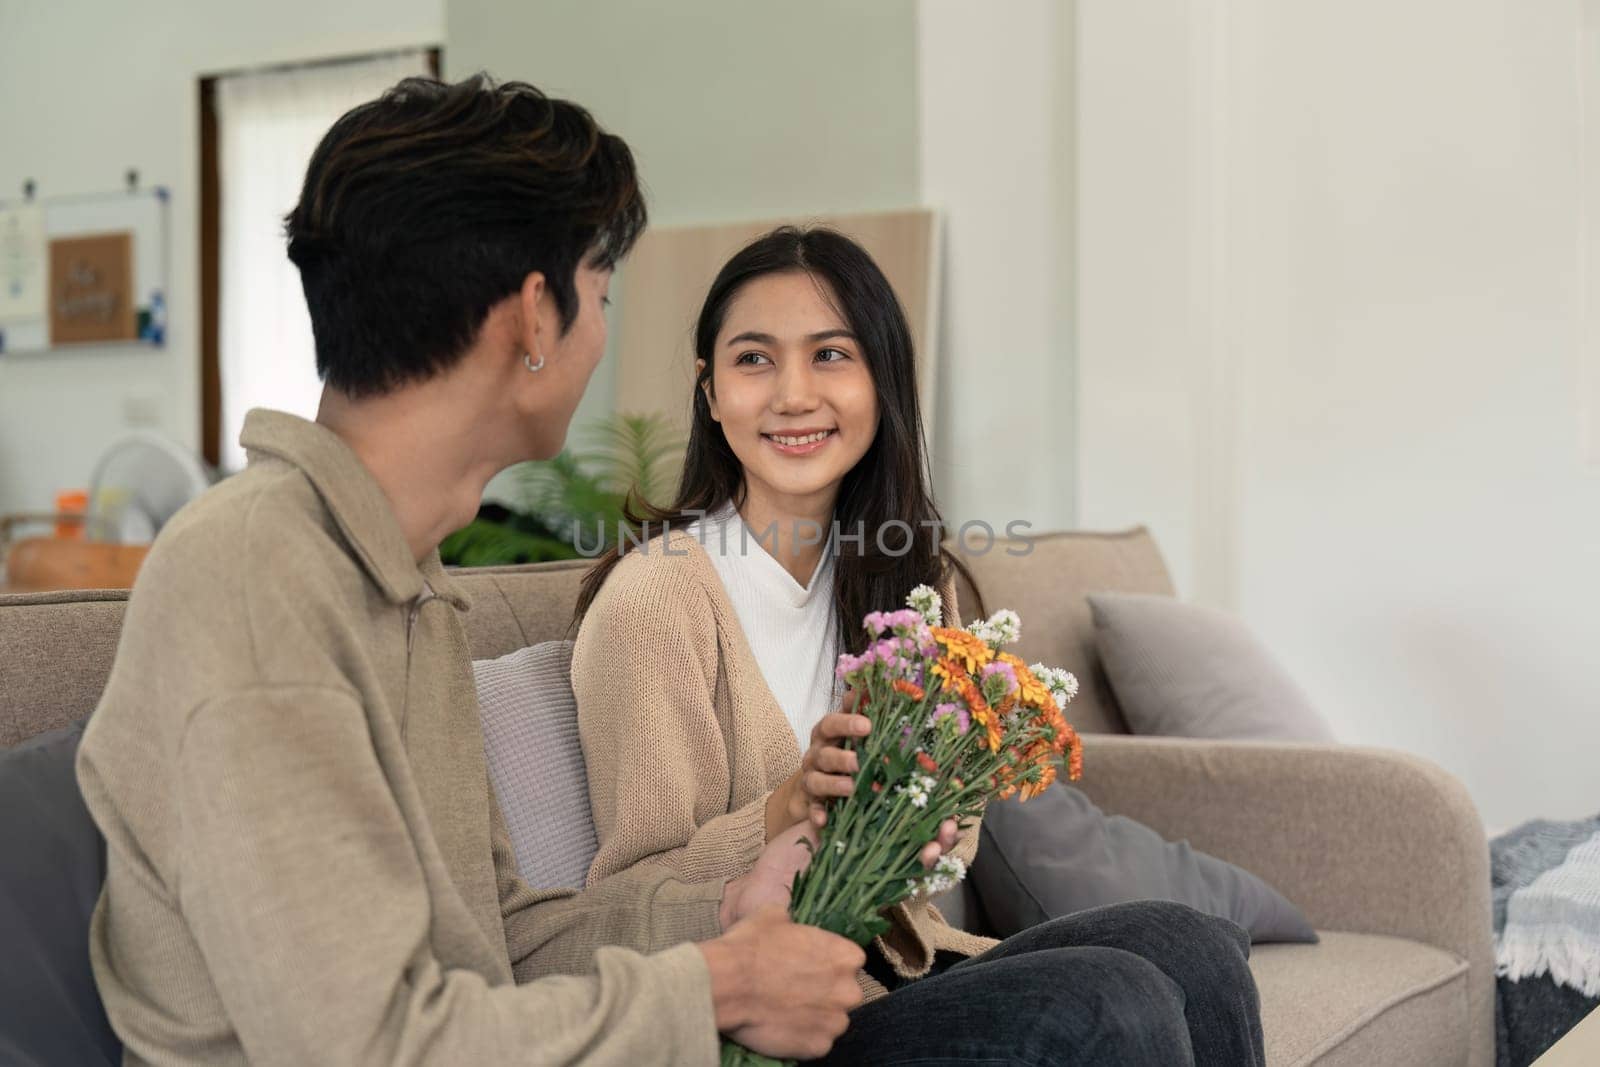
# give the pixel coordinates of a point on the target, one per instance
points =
(305, 861)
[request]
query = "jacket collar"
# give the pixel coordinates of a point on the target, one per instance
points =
(355, 500)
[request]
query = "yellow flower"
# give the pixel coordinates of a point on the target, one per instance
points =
(972, 653)
(1030, 690)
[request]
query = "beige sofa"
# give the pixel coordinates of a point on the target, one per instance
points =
(1383, 852)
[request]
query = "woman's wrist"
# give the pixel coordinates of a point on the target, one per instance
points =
(779, 802)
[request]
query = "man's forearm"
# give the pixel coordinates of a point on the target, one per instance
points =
(645, 909)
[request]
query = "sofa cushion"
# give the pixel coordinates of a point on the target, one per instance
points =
(514, 607)
(1361, 999)
(50, 1011)
(1184, 670)
(1058, 853)
(530, 736)
(1046, 579)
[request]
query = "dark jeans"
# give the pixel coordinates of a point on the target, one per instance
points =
(1149, 982)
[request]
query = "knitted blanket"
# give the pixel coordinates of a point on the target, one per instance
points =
(1546, 891)
(1546, 878)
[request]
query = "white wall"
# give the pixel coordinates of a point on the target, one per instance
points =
(996, 160)
(741, 110)
(734, 110)
(1330, 347)
(91, 89)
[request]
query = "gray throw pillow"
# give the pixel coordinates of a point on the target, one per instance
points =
(1059, 853)
(530, 735)
(54, 863)
(1182, 670)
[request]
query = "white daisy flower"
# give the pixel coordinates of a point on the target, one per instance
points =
(1007, 626)
(1063, 685)
(928, 602)
(946, 875)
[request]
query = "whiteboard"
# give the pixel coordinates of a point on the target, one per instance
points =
(143, 213)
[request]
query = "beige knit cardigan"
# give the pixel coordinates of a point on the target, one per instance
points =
(684, 741)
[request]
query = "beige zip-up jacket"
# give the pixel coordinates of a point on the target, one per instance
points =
(305, 863)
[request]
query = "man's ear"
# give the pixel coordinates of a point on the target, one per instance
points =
(711, 394)
(535, 334)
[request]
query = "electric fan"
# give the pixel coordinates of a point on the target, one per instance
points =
(138, 485)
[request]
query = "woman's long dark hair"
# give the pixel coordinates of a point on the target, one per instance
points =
(887, 490)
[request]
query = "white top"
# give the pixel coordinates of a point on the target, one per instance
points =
(790, 627)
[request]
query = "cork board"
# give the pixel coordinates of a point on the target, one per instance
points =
(91, 289)
(666, 277)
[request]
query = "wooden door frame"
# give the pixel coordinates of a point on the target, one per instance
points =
(211, 260)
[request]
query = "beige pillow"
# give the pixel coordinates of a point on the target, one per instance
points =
(1181, 670)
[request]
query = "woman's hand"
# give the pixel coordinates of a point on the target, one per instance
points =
(826, 771)
(768, 883)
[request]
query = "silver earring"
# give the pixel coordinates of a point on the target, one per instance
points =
(528, 362)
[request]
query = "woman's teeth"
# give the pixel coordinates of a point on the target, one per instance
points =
(806, 440)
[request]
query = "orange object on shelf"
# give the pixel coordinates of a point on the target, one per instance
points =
(71, 507)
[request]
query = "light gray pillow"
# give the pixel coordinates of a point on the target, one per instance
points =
(1182, 670)
(530, 735)
(1059, 853)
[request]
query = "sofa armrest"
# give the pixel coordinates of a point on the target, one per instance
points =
(1361, 839)
(1365, 840)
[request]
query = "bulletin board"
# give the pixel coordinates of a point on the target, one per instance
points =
(83, 270)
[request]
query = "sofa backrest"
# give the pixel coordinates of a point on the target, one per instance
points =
(1046, 579)
(56, 648)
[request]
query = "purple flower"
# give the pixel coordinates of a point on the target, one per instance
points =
(962, 719)
(999, 680)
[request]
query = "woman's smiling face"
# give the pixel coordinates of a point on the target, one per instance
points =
(791, 388)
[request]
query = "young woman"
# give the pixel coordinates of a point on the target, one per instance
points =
(704, 666)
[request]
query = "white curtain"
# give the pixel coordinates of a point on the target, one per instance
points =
(268, 124)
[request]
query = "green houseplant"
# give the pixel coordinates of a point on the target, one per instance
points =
(573, 505)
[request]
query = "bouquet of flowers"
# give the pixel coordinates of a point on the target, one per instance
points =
(956, 722)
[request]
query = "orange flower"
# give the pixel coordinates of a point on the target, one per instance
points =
(1075, 760)
(925, 761)
(1030, 690)
(908, 688)
(971, 652)
(982, 713)
(946, 669)
(992, 737)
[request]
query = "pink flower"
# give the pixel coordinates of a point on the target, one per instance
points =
(999, 681)
(963, 719)
(851, 666)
